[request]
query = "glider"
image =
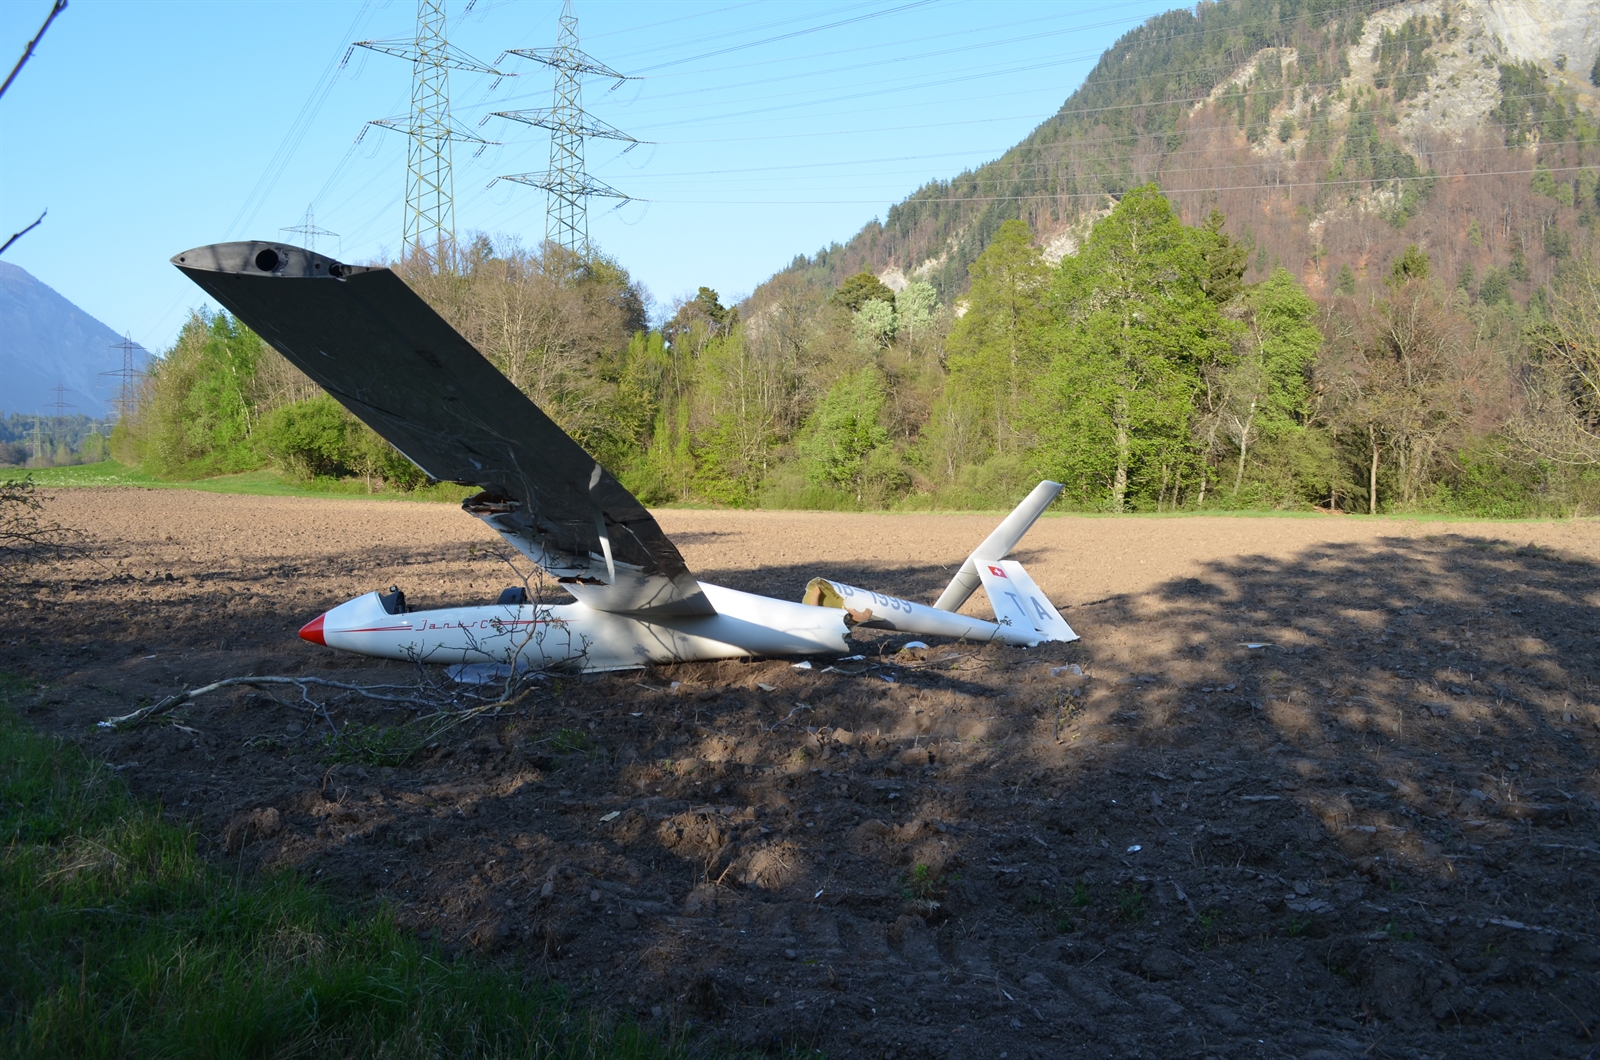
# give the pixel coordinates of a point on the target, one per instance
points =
(381, 352)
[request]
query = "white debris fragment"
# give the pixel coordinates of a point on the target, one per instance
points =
(803, 664)
(612, 816)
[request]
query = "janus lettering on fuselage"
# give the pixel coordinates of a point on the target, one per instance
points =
(379, 350)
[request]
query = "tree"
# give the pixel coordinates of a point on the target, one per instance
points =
(308, 437)
(844, 431)
(1225, 260)
(1496, 287)
(708, 302)
(860, 289)
(874, 323)
(1135, 328)
(1397, 386)
(914, 308)
(1265, 390)
(197, 415)
(736, 406)
(1412, 264)
(998, 343)
(1561, 423)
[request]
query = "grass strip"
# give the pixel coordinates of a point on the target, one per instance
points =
(264, 483)
(269, 483)
(117, 939)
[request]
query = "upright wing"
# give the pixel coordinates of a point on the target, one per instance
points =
(382, 353)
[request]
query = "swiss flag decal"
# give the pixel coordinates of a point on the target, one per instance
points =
(997, 572)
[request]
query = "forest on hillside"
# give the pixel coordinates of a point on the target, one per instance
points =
(1267, 256)
(1146, 371)
(1330, 140)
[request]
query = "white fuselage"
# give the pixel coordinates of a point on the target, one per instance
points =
(539, 636)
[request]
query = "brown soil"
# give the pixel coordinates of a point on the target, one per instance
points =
(1379, 835)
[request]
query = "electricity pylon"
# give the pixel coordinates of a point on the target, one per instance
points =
(568, 183)
(430, 222)
(126, 398)
(61, 405)
(308, 230)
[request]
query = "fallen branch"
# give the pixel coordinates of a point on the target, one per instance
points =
(414, 696)
(180, 698)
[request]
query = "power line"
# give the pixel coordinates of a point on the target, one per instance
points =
(816, 74)
(787, 36)
(680, 18)
(1065, 154)
(297, 130)
(1343, 182)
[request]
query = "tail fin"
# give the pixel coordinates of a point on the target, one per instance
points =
(998, 544)
(1027, 614)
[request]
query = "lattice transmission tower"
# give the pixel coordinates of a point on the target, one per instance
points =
(567, 181)
(127, 387)
(60, 405)
(430, 221)
(308, 231)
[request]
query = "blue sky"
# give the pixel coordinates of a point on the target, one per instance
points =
(777, 128)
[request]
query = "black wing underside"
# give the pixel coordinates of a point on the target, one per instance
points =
(380, 351)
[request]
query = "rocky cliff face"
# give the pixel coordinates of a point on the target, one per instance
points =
(1329, 140)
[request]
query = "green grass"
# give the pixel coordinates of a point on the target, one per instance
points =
(255, 483)
(118, 940)
(276, 484)
(569, 740)
(375, 745)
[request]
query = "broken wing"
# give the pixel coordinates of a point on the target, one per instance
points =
(380, 351)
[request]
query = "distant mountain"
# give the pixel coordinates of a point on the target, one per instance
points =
(1331, 133)
(47, 341)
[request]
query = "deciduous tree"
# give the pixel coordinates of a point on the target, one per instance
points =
(1134, 331)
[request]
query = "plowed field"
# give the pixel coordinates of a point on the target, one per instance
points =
(1324, 787)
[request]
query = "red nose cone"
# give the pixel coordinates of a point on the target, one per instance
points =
(312, 631)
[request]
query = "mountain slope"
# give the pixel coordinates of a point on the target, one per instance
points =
(45, 340)
(1330, 132)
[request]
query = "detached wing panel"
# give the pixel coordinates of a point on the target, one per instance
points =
(381, 352)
